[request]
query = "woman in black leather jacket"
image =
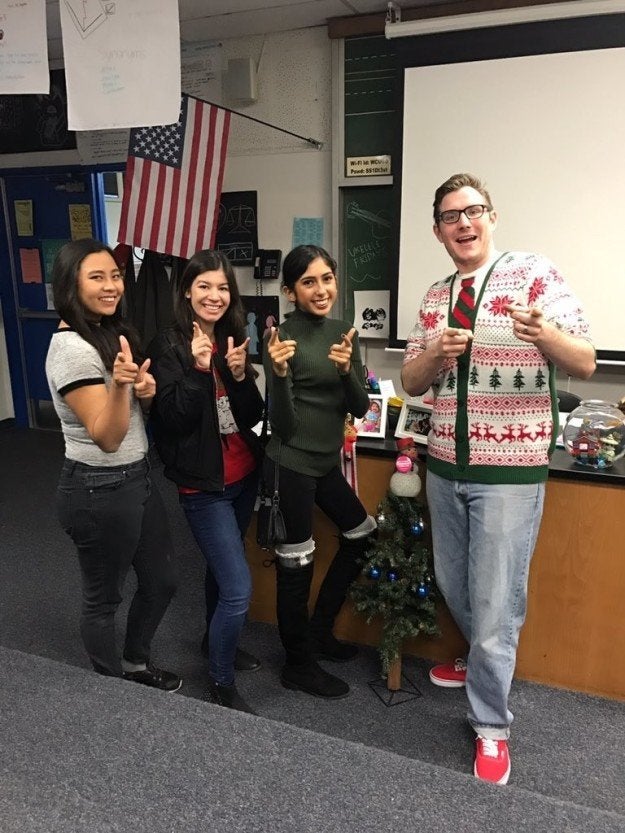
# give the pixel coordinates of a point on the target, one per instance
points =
(205, 408)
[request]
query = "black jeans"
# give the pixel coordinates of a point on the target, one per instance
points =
(117, 519)
(299, 493)
(335, 497)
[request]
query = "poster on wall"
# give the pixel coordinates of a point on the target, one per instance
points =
(34, 123)
(261, 312)
(23, 48)
(113, 54)
(237, 227)
(49, 250)
(371, 313)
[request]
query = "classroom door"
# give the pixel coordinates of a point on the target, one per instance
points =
(41, 211)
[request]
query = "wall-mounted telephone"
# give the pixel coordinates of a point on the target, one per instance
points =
(267, 263)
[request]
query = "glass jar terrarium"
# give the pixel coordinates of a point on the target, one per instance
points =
(594, 434)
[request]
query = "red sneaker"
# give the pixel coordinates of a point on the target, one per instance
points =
(492, 760)
(450, 674)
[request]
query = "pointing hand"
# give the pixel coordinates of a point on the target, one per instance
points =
(201, 347)
(341, 354)
(236, 358)
(280, 352)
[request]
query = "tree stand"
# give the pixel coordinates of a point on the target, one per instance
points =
(397, 688)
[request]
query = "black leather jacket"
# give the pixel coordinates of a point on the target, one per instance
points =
(184, 419)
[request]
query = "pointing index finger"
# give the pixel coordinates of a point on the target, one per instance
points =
(124, 348)
(143, 370)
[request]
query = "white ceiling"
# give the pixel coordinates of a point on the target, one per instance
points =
(208, 20)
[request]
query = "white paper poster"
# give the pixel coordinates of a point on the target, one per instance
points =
(122, 63)
(23, 47)
(97, 147)
(201, 71)
(371, 311)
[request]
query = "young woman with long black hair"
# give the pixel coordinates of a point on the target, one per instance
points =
(315, 378)
(106, 500)
(206, 405)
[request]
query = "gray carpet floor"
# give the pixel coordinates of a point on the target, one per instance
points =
(85, 753)
(567, 748)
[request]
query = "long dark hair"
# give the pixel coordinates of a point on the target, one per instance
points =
(232, 322)
(298, 260)
(103, 334)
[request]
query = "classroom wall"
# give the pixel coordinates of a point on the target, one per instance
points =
(294, 180)
(291, 178)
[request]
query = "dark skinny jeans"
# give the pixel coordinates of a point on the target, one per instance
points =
(116, 518)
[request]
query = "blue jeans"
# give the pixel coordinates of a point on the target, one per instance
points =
(219, 521)
(117, 519)
(483, 538)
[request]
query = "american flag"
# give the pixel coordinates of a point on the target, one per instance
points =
(173, 179)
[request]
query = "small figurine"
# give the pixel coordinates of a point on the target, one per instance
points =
(348, 453)
(407, 446)
(350, 437)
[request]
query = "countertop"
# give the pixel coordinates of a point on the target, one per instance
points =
(562, 465)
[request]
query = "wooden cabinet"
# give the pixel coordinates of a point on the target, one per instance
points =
(574, 635)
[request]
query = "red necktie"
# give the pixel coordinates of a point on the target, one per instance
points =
(462, 313)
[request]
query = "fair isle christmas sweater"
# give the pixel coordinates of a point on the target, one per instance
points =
(495, 416)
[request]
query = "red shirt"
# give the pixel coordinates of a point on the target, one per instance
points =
(237, 457)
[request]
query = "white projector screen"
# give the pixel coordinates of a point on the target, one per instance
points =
(546, 133)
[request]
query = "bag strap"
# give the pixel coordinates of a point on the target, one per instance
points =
(276, 475)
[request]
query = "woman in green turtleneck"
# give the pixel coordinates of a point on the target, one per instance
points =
(315, 378)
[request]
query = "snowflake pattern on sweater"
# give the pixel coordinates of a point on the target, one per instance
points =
(495, 411)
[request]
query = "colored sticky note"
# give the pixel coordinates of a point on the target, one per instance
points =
(31, 266)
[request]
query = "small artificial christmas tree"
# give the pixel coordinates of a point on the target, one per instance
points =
(398, 583)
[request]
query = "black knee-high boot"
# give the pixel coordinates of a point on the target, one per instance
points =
(342, 572)
(292, 591)
(301, 672)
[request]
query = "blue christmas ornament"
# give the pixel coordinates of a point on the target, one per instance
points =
(374, 572)
(423, 590)
(391, 576)
(418, 528)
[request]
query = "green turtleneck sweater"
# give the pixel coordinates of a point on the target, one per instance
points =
(307, 408)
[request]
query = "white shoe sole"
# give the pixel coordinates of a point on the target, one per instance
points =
(502, 781)
(446, 683)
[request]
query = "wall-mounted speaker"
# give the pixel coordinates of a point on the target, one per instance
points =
(240, 80)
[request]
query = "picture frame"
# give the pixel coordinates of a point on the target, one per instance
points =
(414, 421)
(373, 424)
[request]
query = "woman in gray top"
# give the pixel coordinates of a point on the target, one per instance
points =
(106, 501)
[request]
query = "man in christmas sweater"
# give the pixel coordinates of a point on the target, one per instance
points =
(489, 348)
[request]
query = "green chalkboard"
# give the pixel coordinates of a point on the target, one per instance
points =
(370, 84)
(367, 215)
(371, 79)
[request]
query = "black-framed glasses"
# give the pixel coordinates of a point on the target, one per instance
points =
(471, 212)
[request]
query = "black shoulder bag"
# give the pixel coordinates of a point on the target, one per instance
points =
(270, 528)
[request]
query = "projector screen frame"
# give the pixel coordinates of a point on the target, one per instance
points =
(509, 41)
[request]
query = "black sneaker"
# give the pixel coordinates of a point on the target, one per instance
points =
(328, 647)
(155, 677)
(243, 661)
(312, 679)
(228, 696)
